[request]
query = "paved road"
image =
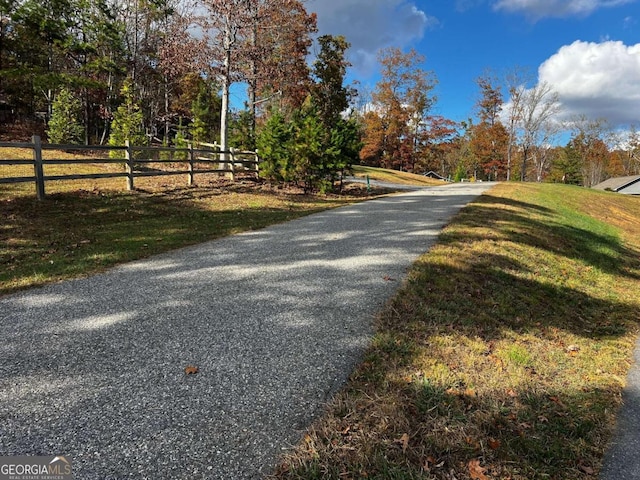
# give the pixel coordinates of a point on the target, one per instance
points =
(622, 460)
(275, 320)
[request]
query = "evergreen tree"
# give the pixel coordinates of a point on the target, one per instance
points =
(127, 122)
(309, 149)
(200, 110)
(344, 148)
(65, 126)
(273, 142)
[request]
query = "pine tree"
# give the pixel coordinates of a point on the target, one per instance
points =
(127, 123)
(273, 142)
(65, 126)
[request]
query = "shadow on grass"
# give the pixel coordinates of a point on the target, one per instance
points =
(539, 227)
(83, 232)
(487, 356)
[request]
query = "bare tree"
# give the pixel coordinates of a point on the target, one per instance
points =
(515, 82)
(539, 106)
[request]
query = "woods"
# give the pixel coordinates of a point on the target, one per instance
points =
(162, 71)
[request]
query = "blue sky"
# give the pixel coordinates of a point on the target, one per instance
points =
(588, 50)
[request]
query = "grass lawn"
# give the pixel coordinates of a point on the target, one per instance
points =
(504, 354)
(85, 226)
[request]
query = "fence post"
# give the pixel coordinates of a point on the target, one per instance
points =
(232, 151)
(257, 159)
(38, 167)
(190, 180)
(129, 164)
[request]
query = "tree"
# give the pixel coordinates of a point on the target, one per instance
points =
(276, 46)
(489, 140)
(127, 122)
(329, 95)
(566, 166)
(513, 110)
(402, 101)
(274, 142)
(373, 142)
(489, 104)
(588, 143)
(226, 23)
(489, 146)
(65, 126)
(539, 106)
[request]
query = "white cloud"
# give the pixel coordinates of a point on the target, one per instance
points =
(537, 9)
(598, 80)
(370, 25)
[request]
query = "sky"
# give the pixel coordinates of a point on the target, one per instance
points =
(587, 50)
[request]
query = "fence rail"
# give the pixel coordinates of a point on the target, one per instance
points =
(227, 162)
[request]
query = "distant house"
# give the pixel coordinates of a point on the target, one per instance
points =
(432, 174)
(627, 185)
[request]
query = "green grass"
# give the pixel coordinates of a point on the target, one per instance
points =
(506, 350)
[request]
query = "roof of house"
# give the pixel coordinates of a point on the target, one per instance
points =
(433, 174)
(617, 183)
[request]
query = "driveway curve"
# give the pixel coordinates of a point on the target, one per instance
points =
(274, 319)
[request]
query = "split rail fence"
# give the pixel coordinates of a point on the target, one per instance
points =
(206, 158)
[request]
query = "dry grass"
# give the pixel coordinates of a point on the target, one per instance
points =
(394, 176)
(504, 354)
(85, 226)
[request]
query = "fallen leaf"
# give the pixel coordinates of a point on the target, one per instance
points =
(404, 441)
(346, 431)
(494, 444)
(388, 278)
(190, 370)
(476, 471)
(512, 393)
(586, 469)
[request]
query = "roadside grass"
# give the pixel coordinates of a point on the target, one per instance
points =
(503, 355)
(86, 226)
(394, 176)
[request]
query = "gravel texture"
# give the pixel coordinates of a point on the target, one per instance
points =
(274, 319)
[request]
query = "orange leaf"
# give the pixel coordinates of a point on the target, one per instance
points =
(494, 444)
(191, 370)
(476, 471)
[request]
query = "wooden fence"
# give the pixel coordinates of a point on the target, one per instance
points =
(134, 158)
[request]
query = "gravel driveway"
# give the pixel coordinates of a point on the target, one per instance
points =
(274, 319)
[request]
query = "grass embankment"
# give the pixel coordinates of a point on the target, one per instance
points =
(394, 176)
(504, 354)
(85, 226)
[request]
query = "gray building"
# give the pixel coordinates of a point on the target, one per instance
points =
(627, 185)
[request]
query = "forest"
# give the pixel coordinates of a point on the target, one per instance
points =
(160, 72)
